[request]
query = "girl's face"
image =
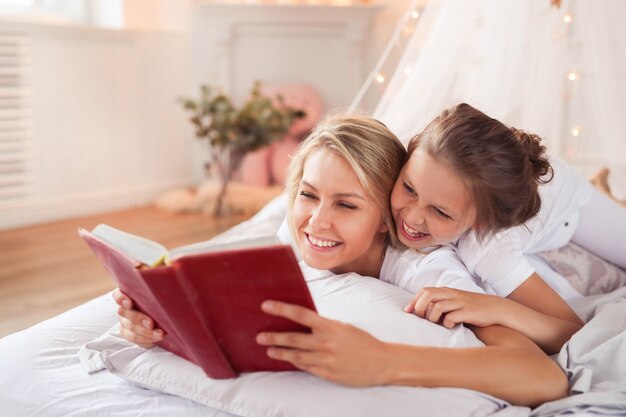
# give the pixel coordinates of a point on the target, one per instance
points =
(338, 227)
(430, 203)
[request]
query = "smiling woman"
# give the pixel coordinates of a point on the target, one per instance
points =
(326, 241)
(341, 219)
(339, 186)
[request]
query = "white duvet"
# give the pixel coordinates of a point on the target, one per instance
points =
(41, 375)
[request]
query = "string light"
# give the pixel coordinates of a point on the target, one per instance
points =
(407, 70)
(568, 18)
(576, 131)
(573, 75)
(404, 28)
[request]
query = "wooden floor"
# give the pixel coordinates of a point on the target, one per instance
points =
(47, 269)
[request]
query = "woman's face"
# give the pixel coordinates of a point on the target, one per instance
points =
(338, 227)
(430, 203)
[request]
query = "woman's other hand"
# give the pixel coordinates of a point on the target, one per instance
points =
(136, 326)
(333, 350)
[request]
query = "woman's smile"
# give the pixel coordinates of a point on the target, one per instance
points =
(321, 244)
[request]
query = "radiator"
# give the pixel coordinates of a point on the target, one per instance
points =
(16, 153)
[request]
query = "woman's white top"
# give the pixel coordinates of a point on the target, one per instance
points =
(407, 269)
(503, 261)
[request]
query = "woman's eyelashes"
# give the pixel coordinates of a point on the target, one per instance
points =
(342, 204)
(408, 188)
(307, 195)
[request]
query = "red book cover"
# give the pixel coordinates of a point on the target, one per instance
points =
(208, 304)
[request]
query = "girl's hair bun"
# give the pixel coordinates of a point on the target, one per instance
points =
(536, 155)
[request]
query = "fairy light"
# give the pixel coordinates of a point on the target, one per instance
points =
(573, 75)
(407, 70)
(568, 18)
(404, 29)
(576, 131)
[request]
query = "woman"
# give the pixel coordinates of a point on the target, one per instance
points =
(339, 185)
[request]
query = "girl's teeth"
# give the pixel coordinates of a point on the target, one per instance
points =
(411, 232)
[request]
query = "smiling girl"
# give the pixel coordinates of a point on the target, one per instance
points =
(340, 218)
(490, 192)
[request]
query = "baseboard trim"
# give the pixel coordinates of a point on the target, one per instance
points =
(33, 212)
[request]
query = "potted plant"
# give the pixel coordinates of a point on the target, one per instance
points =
(230, 132)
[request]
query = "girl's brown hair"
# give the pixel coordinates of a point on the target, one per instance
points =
(501, 167)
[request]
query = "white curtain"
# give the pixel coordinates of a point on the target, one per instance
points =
(514, 59)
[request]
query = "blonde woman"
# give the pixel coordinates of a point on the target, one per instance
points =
(339, 187)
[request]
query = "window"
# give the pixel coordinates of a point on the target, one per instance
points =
(108, 13)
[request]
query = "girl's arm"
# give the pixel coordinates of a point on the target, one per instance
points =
(540, 313)
(510, 367)
(533, 309)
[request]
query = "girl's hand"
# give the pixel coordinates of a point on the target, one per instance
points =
(449, 307)
(333, 350)
(136, 326)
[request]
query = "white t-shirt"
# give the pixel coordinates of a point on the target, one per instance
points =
(504, 261)
(405, 268)
(411, 270)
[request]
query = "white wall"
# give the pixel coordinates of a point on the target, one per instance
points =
(107, 131)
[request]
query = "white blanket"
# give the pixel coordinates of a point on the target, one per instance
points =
(40, 373)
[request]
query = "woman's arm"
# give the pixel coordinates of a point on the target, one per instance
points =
(510, 367)
(533, 309)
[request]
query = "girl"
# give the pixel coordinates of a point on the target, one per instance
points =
(339, 185)
(473, 183)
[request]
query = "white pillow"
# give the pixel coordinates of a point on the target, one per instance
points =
(368, 303)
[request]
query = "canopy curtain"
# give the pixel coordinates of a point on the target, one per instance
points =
(558, 72)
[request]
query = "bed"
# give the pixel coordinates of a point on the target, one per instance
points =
(41, 374)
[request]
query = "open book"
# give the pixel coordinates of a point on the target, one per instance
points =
(207, 297)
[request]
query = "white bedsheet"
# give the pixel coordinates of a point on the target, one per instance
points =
(40, 373)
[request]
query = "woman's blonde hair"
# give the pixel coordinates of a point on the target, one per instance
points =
(368, 146)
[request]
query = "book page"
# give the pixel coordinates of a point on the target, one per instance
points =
(208, 246)
(143, 250)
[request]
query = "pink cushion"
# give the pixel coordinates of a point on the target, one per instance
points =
(255, 168)
(301, 96)
(281, 153)
(268, 166)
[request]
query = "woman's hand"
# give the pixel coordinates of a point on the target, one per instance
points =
(136, 326)
(333, 350)
(449, 307)
(342, 353)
